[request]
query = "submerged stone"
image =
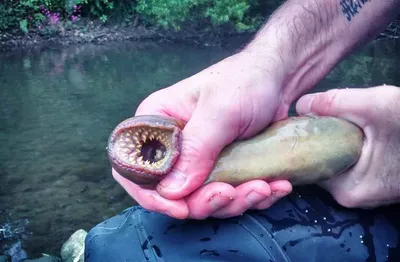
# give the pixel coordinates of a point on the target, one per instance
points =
(74, 248)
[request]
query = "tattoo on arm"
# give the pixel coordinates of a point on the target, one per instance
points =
(351, 8)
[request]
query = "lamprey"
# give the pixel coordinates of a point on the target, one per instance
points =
(301, 149)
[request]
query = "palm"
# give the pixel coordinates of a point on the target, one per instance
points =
(218, 105)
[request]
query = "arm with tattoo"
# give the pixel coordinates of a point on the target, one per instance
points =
(309, 37)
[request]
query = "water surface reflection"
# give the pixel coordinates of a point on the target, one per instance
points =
(58, 107)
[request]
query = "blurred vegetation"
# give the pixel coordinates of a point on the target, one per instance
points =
(240, 15)
(55, 16)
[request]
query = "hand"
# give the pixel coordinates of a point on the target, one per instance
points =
(375, 179)
(233, 99)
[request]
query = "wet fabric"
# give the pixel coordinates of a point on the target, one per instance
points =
(307, 226)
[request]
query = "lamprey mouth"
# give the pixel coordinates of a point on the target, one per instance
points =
(143, 149)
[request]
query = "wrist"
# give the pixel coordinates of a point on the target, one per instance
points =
(303, 39)
(306, 39)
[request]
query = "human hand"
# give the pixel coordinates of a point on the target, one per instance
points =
(375, 179)
(233, 99)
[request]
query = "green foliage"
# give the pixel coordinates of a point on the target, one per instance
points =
(97, 8)
(24, 15)
(175, 13)
(236, 12)
(165, 13)
(23, 25)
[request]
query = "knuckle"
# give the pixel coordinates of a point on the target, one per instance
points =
(151, 100)
(358, 197)
(393, 98)
(347, 199)
(347, 202)
(387, 102)
(326, 102)
(147, 201)
(194, 148)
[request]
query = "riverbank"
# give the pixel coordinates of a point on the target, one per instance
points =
(90, 32)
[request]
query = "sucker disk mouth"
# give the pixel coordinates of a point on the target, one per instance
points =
(145, 148)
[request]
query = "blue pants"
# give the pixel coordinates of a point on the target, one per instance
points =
(307, 225)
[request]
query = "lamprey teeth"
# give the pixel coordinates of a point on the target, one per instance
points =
(134, 153)
(132, 142)
(126, 150)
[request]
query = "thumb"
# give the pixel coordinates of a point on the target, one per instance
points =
(207, 132)
(372, 109)
(356, 105)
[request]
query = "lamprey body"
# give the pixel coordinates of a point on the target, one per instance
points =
(302, 149)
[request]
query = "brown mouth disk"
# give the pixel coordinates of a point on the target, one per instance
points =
(143, 149)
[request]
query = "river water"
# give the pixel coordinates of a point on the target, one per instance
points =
(58, 107)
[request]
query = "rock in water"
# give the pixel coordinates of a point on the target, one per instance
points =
(16, 252)
(74, 248)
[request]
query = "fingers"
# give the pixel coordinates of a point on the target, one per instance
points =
(207, 132)
(345, 103)
(358, 105)
(231, 202)
(178, 100)
(375, 110)
(279, 189)
(247, 195)
(209, 199)
(151, 200)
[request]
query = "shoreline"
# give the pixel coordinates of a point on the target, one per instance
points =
(87, 31)
(91, 33)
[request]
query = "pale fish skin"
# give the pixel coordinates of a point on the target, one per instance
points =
(304, 150)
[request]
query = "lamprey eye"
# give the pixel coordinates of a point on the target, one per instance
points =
(144, 148)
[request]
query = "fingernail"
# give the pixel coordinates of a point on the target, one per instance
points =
(277, 195)
(304, 104)
(271, 200)
(254, 197)
(216, 202)
(174, 180)
(166, 213)
(280, 194)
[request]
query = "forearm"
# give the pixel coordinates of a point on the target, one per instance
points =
(307, 38)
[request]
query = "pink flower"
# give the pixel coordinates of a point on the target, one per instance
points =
(54, 18)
